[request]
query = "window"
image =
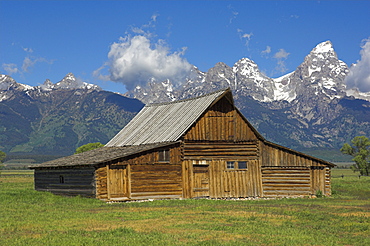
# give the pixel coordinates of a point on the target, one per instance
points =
(61, 179)
(230, 164)
(164, 155)
(243, 165)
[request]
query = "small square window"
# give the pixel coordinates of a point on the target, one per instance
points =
(242, 165)
(230, 164)
(164, 155)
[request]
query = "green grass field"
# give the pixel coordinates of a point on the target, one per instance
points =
(28, 217)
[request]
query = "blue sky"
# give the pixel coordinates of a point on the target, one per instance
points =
(47, 39)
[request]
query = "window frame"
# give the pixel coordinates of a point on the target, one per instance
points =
(164, 155)
(234, 165)
(230, 165)
(244, 168)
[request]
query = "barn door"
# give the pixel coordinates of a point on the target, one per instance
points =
(200, 180)
(117, 181)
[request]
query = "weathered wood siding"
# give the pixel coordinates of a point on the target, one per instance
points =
(223, 150)
(327, 191)
(66, 181)
(286, 181)
(222, 122)
(320, 180)
(101, 183)
(212, 179)
(221, 135)
(273, 156)
(142, 176)
(288, 173)
(156, 181)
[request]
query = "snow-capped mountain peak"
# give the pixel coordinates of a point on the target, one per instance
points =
(324, 47)
(71, 82)
(8, 86)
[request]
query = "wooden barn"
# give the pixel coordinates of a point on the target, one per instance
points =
(200, 147)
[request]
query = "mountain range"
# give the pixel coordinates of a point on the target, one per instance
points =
(55, 119)
(307, 109)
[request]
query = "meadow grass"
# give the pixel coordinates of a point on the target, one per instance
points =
(29, 217)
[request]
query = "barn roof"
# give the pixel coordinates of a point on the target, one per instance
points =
(100, 155)
(165, 122)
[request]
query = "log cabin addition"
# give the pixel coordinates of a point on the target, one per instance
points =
(199, 147)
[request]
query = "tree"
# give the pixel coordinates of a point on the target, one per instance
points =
(2, 157)
(89, 146)
(360, 150)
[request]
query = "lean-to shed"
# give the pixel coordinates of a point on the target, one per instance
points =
(199, 147)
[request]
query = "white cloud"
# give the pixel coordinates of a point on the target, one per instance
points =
(233, 12)
(281, 56)
(266, 51)
(154, 17)
(29, 62)
(359, 73)
(10, 68)
(28, 50)
(246, 36)
(135, 60)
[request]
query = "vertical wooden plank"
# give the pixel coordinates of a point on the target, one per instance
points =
(211, 180)
(191, 181)
(260, 193)
(185, 179)
(221, 188)
(129, 181)
(241, 184)
(233, 183)
(108, 183)
(215, 181)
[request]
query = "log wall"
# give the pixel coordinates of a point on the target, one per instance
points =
(221, 150)
(67, 181)
(286, 181)
(141, 177)
(156, 181)
(288, 173)
(101, 183)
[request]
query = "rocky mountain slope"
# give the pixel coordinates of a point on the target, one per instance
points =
(54, 119)
(308, 108)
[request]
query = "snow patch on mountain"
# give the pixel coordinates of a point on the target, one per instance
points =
(282, 91)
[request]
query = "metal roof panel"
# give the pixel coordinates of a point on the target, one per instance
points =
(164, 122)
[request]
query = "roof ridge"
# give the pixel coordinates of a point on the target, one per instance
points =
(188, 99)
